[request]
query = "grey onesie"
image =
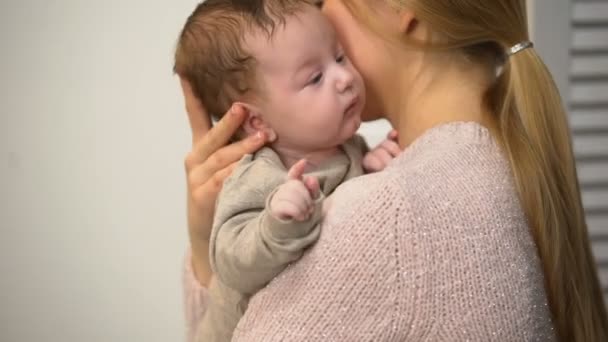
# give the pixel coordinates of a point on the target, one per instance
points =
(248, 246)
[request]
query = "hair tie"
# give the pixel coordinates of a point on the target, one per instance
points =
(519, 47)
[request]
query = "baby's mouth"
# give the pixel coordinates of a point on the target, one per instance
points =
(350, 110)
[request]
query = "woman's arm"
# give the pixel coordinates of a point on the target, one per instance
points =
(207, 165)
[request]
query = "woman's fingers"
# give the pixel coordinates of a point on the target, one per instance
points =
(204, 193)
(197, 169)
(200, 122)
(220, 134)
(207, 140)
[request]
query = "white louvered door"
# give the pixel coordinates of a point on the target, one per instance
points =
(588, 102)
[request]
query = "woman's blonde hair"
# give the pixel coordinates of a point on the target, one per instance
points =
(533, 131)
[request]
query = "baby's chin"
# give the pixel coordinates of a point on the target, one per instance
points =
(351, 127)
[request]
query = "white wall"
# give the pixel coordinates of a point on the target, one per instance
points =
(92, 137)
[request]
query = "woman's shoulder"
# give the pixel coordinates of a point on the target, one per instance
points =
(455, 166)
(452, 168)
(359, 194)
(447, 217)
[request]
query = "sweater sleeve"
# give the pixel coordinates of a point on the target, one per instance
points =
(196, 298)
(346, 287)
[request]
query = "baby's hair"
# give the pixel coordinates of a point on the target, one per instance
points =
(210, 52)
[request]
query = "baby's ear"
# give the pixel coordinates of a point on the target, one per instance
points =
(255, 122)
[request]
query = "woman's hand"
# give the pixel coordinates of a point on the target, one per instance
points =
(207, 165)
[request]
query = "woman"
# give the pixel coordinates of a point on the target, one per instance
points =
(476, 232)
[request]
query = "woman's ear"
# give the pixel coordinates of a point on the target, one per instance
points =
(255, 122)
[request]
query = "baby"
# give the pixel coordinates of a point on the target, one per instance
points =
(281, 61)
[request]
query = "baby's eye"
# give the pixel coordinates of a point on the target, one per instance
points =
(319, 3)
(317, 79)
(341, 59)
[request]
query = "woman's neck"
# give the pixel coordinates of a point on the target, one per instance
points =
(450, 94)
(289, 156)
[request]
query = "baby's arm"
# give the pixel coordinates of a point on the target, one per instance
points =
(251, 248)
(378, 158)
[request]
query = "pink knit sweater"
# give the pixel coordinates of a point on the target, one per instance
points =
(435, 248)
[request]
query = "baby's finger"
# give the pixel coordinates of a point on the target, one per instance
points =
(312, 184)
(303, 213)
(302, 217)
(285, 210)
(372, 162)
(393, 135)
(384, 156)
(300, 205)
(297, 170)
(301, 197)
(391, 147)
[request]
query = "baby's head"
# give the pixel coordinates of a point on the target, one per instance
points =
(282, 61)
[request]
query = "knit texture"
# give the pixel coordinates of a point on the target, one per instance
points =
(196, 299)
(434, 248)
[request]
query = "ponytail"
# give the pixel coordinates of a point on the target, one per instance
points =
(535, 135)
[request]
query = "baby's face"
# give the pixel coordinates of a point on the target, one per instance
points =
(313, 96)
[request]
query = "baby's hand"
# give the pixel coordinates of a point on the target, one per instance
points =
(378, 158)
(294, 199)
